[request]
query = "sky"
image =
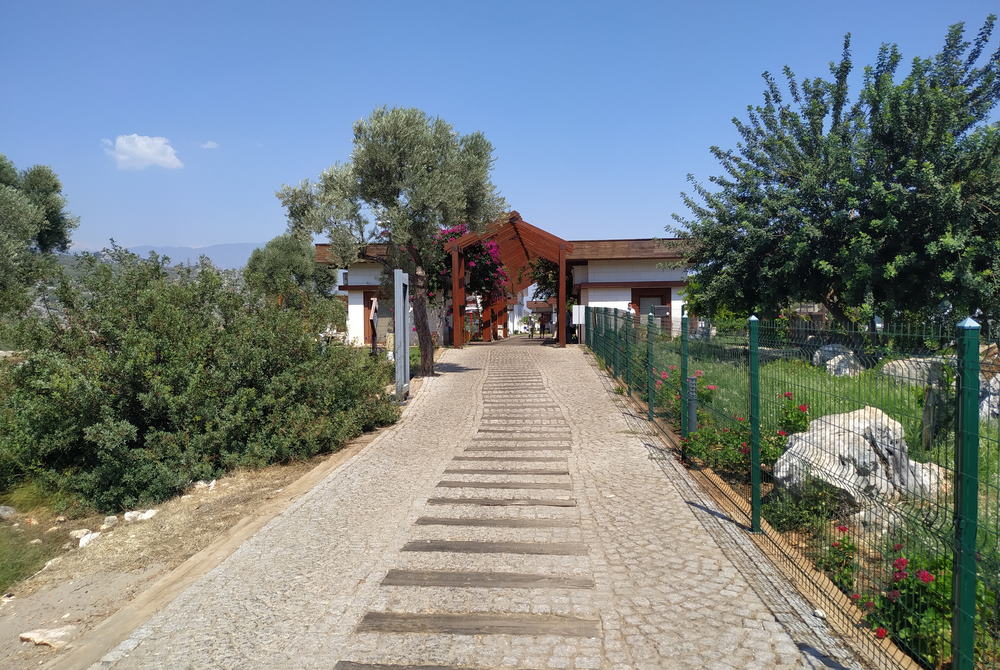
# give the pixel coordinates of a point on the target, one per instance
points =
(175, 122)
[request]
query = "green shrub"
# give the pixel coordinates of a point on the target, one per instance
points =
(146, 378)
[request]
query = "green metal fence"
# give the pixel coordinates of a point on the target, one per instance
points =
(872, 454)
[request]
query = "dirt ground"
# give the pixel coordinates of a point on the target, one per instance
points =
(87, 585)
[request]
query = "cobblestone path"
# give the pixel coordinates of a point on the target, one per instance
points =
(514, 519)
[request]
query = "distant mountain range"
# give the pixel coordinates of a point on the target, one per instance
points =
(227, 256)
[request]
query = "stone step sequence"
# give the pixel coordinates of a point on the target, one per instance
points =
(452, 484)
(477, 624)
(493, 522)
(506, 471)
(496, 580)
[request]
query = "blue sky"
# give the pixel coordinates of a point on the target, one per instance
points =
(597, 110)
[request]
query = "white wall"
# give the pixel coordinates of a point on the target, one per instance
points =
(364, 273)
(676, 303)
(617, 298)
(632, 270)
(355, 318)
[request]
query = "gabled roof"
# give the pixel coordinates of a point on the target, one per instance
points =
(520, 243)
(630, 249)
(322, 254)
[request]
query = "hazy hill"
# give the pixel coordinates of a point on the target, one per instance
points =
(229, 256)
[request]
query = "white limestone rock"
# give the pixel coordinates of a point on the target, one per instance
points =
(79, 533)
(131, 516)
(828, 351)
(88, 538)
(7, 512)
(57, 638)
(989, 398)
(916, 371)
(845, 365)
(862, 454)
(109, 522)
(148, 514)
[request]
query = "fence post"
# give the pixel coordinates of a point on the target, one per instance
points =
(692, 403)
(754, 327)
(963, 591)
(685, 429)
(650, 382)
(627, 352)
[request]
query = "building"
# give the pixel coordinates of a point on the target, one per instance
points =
(627, 274)
(634, 274)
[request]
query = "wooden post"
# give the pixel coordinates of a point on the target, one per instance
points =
(487, 327)
(506, 320)
(562, 296)
(457, 299)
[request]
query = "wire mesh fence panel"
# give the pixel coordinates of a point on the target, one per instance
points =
(868, 465)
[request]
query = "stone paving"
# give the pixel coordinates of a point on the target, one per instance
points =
(513, 519)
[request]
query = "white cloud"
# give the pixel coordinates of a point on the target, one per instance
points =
(135, 152)
(211, 144)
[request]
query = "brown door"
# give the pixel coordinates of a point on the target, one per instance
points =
(367, 298)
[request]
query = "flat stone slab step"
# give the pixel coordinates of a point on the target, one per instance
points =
(523, 447)
(476, 547)
(490, 580)
(505, 471)
(353, 665)
(504, 502)
(515, 459)
(555, 437)
(477, 624)
(448, 484)
(495, 523)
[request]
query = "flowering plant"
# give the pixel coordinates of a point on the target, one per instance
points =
(794, 416)
(486, 274)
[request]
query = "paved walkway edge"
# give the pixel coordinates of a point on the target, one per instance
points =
(111, 632)
(812, 586)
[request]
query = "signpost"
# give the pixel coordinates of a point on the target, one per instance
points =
(401, 341)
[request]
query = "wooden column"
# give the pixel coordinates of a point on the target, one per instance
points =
(506, 321)
(562, 296)
(487, 330)
(457, 299)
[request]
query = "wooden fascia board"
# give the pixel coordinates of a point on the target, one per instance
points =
(631, 284)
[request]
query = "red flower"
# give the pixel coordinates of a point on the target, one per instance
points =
(897, 547)
(900, 575)
(658, 383)
(803, 408)
(712, 387)
(672, 367)
(788, 394)
(782, 433)
(744, 449)
(664, 375)
(698, 373)
(880, 633)
(740, 418)
(842, 529)
(835, 544)
(869, 605)
(893, 595)
(925, 576)
(900, 563)
(855, 597)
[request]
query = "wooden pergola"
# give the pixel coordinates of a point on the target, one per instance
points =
(519, 243)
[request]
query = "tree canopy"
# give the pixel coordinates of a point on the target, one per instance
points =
(409, 177)
(33, 223)
(887, 204)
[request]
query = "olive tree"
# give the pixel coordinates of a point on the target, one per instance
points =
(408, 177)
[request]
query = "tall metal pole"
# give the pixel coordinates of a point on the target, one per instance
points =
(685, 429)
(650, 382)
(963, 619)
(754, 324)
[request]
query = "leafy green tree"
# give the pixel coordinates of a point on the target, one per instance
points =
(156, 376)
(409, 177)
(33, 223)
(284, 270)
(886, 205)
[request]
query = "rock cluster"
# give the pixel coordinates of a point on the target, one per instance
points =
(863, 455)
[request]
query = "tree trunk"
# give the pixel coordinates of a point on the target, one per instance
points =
(418, 292)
